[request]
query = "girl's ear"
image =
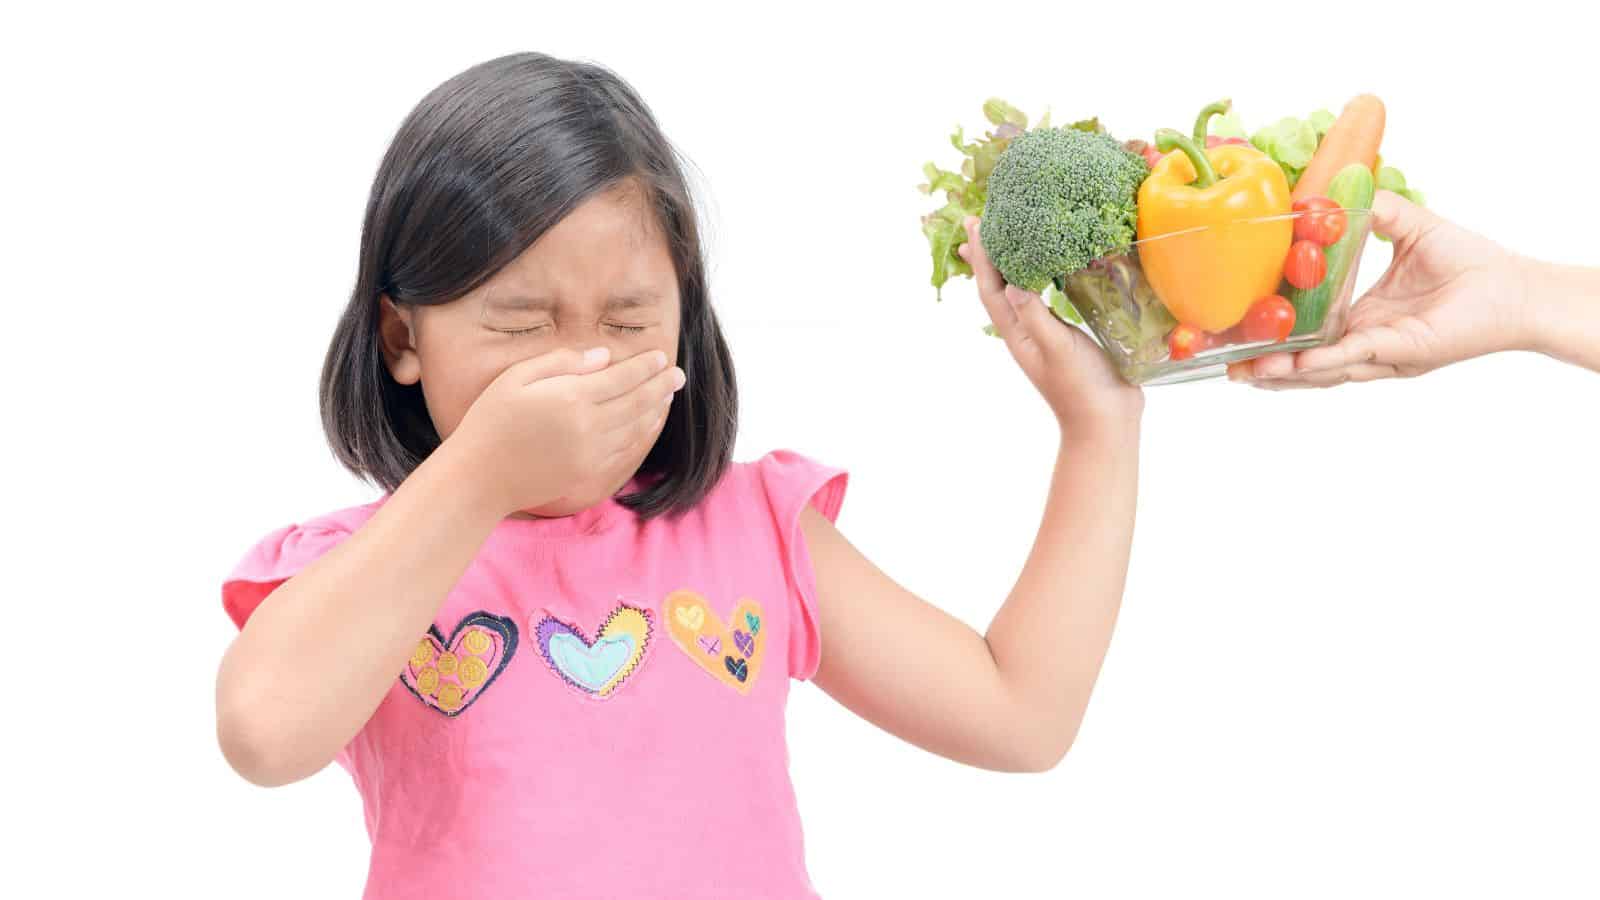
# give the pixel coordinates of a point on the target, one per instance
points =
(397, 337)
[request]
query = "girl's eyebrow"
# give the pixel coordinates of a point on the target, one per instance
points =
(632, 300)
(519, 301)
(622, 300)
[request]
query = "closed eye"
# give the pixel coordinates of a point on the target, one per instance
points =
(514, 331)
(618, 328)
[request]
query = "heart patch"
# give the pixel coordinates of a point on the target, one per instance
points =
(450, 676)
(730, 654)
(596, 668)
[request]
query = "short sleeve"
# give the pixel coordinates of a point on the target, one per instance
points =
(791, 482)
(272, 561)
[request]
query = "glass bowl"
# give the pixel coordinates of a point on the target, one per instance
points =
(1120, 297)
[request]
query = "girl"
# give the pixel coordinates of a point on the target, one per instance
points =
(554, 655)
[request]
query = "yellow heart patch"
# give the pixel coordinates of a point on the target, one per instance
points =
(690, 617)
(731, 652)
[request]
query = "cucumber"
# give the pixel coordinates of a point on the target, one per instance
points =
(1352, 188)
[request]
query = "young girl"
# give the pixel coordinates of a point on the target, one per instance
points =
(554, 655)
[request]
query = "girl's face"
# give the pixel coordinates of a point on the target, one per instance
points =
(602, 276)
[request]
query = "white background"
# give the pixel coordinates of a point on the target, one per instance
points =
(1356, 655)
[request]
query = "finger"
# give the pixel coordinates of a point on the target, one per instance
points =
(1378, 344)
(1371, 372)
(989, 279)
(643, 402)
(1272, 365)
(991, 286)
(636, 436)
(1288, 384)
(564, 361)
(1356, 374)
(1036, 323)
(1398, 219)
(622, 377)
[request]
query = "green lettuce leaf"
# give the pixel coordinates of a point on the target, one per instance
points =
(1227, 125)
(1321, 121)
(1290, 143)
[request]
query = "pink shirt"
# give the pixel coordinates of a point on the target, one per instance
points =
(598, 710)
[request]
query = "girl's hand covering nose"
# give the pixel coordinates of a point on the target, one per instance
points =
(556, 420)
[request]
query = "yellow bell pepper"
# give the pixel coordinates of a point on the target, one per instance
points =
(1209, 278)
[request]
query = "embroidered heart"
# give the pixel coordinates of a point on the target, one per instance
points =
(700, 634)
(596, 668)
(450, 676)
(690, 617)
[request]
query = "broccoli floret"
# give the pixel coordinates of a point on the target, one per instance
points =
(1058, 199)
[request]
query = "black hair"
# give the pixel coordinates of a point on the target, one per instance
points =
(485, 164)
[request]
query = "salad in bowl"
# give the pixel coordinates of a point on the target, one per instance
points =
(1180, 254)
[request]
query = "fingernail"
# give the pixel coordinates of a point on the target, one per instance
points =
(679, 379)
(595, 355)
(660, 360)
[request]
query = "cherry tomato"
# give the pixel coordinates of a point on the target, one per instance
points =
(1185, 341)
(1305, 266)
(1152, 155)
(1269, 319)
(1322, 222)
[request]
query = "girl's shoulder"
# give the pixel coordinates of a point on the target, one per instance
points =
(782, 481)
(757, 507)
(283, 551)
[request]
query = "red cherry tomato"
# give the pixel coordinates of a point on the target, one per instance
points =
(1185, 341)
(1269, 319)
(1305, 266)
(1322, 222)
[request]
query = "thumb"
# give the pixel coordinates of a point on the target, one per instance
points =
(1398, 219)
(565, 361)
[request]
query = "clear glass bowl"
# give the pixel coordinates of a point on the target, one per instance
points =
(1126, 314)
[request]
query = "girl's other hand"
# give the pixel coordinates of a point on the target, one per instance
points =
(1449, 295)
(551, 422)
(1068, 368)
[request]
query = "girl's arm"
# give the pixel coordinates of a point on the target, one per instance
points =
(372, 595)
(1012, 698)
(376, 592)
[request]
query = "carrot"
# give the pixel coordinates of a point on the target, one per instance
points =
(1354, 137)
